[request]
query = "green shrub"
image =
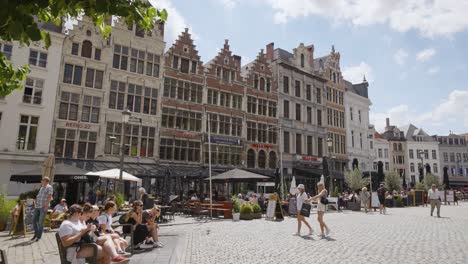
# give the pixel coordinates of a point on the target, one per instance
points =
(236, 208)
(246, 208)
(120, 199)
(354, 179)
(393, 182)
(399, 199)
(256, 208)
(6, 205)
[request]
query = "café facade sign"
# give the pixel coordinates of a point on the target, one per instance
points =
(262, 146)
(224, 140)
(308, 158)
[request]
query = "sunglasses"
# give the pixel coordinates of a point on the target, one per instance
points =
(140, 205)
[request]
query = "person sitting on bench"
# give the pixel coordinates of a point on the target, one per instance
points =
(149, 217)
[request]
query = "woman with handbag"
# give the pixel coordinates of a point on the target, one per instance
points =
(302, 198)
(322, 200)
(105, 227)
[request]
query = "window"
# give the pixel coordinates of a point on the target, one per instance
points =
(113, 138)
(185, 120)
(182, 90)
(465, 157)
(412, 167)
(175, 62)
(87, 145)
(147, 141)
(131, 140)
(352, 139)
(379, 153)
(359, 115)
(86, 49)
(302, 60)
(75, 47)
(286, 109)
(411, 154)
(434, 154)
(268, 86)
(68, 109)
(251, 131)
(194, 67)
(94, 78)
(459, 157)
(64, 142)
(139, 32)
(90, 109)
(309, 145)
(436, 169)
(371, 144)
(272, 135)
(386, 153)
(7, 50)
(97, 54)
(445, 154)
(272, 160)
(117, 95)
(33, 91)
(224, 155)
(27, 132)
(213, 99)
(297, 89)
(319, 117)
(426, 154)
(360, 139)
(38, 58)
(298, 112)
(387, 166)
(286, 84)
(137, 61)
(225, 99)
(271, 109)
(286, 143)
(309, 115)
(184, 65)
(262, 85)
(152, 64)
(261, 159)
(319, 95)
(72, 74)
(120, 60)
(250, 158)
(308, 92)
(351, 113)
(298, 144)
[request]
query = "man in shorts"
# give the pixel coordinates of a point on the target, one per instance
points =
(381, 194)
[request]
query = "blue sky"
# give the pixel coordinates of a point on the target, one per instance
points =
(413, 52)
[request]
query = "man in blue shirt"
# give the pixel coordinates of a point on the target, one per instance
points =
(43, 198)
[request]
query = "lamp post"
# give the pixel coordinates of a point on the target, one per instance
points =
(330, 145)
(208, 116)
(125, 117)
(420, 153)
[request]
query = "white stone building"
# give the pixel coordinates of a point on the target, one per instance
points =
(26, 116)
(359, 132)
(422, 150)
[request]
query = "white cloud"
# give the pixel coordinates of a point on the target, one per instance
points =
(433, 70)
(176, 23)
(452, 110)
(430, 18)
(229, 4)
(355, 74)
(400, 56)
(425, 55)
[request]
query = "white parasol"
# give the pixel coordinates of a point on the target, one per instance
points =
(293, 189)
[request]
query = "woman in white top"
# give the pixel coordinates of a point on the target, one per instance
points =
(322, 192)
(301, 198)
(105, 227)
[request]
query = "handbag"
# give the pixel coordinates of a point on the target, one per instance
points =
(88, 238)
(305, 209)
(323, 200)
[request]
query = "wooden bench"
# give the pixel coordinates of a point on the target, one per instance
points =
(63, 252)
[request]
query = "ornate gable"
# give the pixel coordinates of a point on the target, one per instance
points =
(225, 60)
(303, 57)
(184, 47)
(259, 68)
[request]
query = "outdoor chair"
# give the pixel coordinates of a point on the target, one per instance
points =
(170, 213)
(3, 257)
(63, 252)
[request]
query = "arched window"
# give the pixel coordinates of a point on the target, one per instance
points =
(272, 160)
(250, 158)
(262, 159)
(256, 81)
(86, 49)
(262, 83)
(302, 60)
(400, 147)
(395, 146)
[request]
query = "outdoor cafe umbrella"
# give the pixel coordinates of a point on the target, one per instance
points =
(293, 188)
(48, 167)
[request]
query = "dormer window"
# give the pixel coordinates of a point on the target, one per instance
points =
(139, 32)
(86, 49)
(194, 67)
(302, 60)
(233, 76)
(262, 83)
(226, 75)
(184, 65)
(175, 62)
(218, 72)
(256, 81)
(268, 85)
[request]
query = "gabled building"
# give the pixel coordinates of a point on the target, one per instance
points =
(453, 157)
(397, 148)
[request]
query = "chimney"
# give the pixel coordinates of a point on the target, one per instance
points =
(226, 44)
(310, 48)
(237, 60)
(388, 122)
(269, 51)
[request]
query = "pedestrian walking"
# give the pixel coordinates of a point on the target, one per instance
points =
(381, 191)
(365, 198)
(300, 200)
(43, 198)
(434, 196)
(321, 199)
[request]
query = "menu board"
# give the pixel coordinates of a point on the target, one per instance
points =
(375, 200)
(450, 196)
(270, 214)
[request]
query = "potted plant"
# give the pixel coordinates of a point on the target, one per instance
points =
(257, 211)
(399, 201)
(236, 211)
(5, 208)
(355, 181)
(246, 211)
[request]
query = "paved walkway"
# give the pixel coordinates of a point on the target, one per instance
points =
(405, 235)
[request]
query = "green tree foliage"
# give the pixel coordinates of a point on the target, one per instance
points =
(18, 22)
(354, 179)
(393, 182)
(430, 179)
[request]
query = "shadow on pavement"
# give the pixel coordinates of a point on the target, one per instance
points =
(23, 244)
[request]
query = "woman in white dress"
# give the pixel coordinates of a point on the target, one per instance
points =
(322, 192)
(301, 198)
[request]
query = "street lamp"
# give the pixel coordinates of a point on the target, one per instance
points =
(421, 176)
(330, 145)
(125, 118)
(208, 117)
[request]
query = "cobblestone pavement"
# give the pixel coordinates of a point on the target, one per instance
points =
(404, 235)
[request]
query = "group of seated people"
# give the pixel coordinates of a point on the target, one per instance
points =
(86, 219)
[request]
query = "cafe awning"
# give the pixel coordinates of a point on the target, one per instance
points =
(63, 173)
(238, 174)
(115, 175)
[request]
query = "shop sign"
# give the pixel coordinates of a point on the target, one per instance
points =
(80, 178)
(263, 146)
(183, 135)
(225, 140)
(308, 158)
(78, 125)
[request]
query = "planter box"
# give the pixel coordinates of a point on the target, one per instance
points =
(235, 216)
(257, 215)
(354, 206)
(246, 216)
